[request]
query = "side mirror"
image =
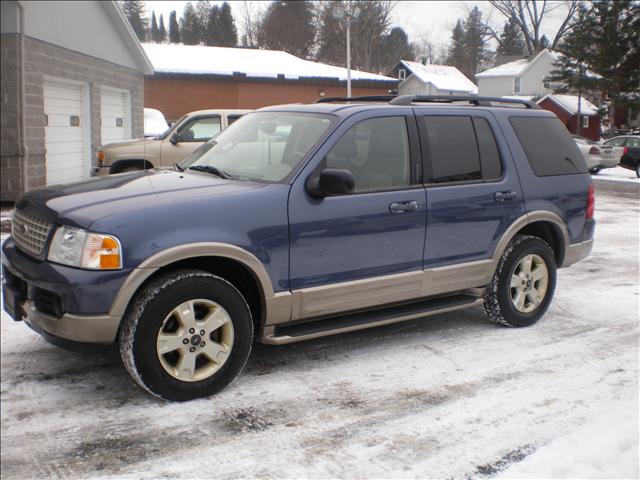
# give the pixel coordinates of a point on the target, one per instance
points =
(175, 138)
(332, 181)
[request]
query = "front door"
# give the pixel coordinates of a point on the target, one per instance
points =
(362, 249)
(188, 137)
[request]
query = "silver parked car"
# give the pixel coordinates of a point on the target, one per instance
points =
(596, 155)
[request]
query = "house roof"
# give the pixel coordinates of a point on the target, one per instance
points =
(516, 67)
(127, 34)
(202, 60)
(441, 76)
(570, 104)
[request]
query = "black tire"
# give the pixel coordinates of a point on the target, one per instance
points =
(146, 314)
(638, 169)
(595, 171)
(498, 304)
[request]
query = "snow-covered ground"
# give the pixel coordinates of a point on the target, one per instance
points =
(450, 396)
(617, 174)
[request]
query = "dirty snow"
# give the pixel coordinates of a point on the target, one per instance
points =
(196, 59)
(450, 396)
(442, 77)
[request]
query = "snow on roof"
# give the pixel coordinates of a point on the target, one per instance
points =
(442, 77)
(519, 97)
(506, 69)
(201, 60)
(570, 104)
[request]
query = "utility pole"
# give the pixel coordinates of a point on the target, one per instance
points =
(579, 125)
(339, 12)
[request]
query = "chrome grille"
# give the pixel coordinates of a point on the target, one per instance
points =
(29, 233)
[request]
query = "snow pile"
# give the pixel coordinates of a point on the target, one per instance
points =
(617, 174)
(201, 60)
(570, 104)
(605, 448)
(442, 77)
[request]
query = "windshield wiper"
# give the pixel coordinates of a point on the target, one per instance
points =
(178, 167)
(212, 170)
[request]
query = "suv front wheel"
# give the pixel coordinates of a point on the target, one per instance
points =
(186, 335)
(523, 284)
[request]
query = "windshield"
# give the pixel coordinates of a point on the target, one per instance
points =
(263, 146)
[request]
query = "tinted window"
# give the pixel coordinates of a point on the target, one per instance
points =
(490, 163)
(633, 142)
(548, 146)
(376, 152)
(453, 149)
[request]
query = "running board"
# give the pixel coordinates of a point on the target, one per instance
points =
(287, 333)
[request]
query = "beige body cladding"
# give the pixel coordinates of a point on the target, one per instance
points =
(314, 302)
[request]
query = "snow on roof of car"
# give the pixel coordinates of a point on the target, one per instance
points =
(442, 77)
(570, 103)
(203, 60)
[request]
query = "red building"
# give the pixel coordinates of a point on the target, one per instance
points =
(188, 78)
(566, 109)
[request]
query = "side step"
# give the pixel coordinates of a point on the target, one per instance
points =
(287, 333)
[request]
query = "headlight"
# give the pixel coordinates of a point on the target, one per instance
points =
(79, 248)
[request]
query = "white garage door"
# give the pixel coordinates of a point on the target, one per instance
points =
(64, 124)
(114, 124)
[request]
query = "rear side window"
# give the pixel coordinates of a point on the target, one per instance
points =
(548, 145)
(462, 148)
(453, 149)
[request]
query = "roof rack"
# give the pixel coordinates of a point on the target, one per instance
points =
(366, 98)
(472, 99)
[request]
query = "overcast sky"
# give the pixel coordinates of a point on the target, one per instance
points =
(431, 19)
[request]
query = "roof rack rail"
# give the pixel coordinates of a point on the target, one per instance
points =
(472, 99)
(365, 98)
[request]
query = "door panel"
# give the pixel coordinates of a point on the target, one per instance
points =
(361, 235)
(465, 219)
(114, 123)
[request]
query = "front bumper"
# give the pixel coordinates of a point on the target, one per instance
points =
(59, 301)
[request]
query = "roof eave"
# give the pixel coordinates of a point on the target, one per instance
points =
(128, 36)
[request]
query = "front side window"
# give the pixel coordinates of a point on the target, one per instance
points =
(616, 142)
(200, 129)
(376, 152)
(516, 85)
(633, 142)
(262, 146)
(585, 121)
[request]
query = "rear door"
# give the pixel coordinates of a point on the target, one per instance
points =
(473, 193)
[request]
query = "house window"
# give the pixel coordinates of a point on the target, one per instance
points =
(516, 85)
(402, 74)
(585, 121)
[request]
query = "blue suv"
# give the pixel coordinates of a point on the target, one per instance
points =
(301, 221)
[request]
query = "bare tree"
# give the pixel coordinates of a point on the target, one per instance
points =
(249, 19)
(529, 15)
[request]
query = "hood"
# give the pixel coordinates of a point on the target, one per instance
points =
(128, 143)
(82, 203)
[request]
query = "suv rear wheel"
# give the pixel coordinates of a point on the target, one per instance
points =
(523, 284)
(187, 334)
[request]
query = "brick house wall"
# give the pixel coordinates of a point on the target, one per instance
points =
(44, 59)
(570, 121)
(176, 95)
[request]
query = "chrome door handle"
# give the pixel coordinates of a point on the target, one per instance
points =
(403, 207)
(505, 196)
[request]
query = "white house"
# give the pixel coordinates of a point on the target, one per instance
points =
(525, 76)
(418, 79)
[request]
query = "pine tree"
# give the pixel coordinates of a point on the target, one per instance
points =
(213, 34)
(287, 26)
(395, 47)
(511, 41)
(457, 51)
(474, 42)
(155, 36)
(190, 26)
(162, 33)
(228, 30)
(203, 10)
(174, 28)
(605, 40)
(134, 12)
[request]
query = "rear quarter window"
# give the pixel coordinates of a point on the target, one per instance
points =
(548, 146)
